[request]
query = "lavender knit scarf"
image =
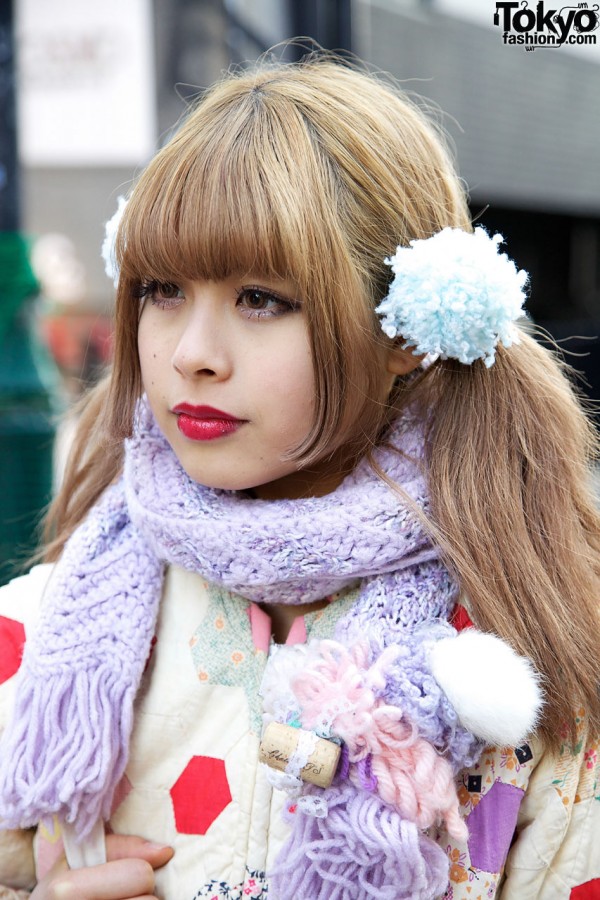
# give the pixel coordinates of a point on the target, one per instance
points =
(66, 747)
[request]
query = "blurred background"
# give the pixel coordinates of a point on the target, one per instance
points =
(88, 92)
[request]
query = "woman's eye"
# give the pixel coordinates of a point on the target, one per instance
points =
(261, 303)
(162, 294)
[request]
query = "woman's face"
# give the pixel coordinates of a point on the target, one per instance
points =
(228, 372)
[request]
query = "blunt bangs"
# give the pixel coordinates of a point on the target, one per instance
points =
(231, 194)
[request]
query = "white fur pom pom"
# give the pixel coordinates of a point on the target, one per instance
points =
(495, 692)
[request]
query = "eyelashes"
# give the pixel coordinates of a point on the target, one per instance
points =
(163, 294)
(259, 302)
(253, 301)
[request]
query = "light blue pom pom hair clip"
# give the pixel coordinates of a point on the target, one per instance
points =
(454, 296)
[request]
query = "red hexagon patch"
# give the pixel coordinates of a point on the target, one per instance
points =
(588, 891)
(12, 641)
(200, 794)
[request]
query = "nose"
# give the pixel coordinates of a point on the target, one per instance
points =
(201, 347)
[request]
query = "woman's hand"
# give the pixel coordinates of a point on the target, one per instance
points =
(128, 874)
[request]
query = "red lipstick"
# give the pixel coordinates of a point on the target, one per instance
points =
(204, 423)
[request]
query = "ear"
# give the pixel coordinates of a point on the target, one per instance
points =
(401, 361)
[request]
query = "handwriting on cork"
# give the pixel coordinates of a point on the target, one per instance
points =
(279, 743)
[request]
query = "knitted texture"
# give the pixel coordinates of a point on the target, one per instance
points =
(66, 747)
(290, 551)
(454, 296)
(362, 848)
(409, 682)
(337, 689)
(109, 244)
(390, 775)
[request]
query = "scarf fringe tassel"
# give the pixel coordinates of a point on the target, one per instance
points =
(362, 848)
(67, 741)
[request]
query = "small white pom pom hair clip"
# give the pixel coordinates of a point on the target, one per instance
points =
(110, 238)
(454, 296)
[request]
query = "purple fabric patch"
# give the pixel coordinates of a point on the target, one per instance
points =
(492, 826)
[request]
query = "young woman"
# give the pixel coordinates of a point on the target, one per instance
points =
(324, 427)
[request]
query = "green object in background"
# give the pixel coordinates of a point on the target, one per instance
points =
(17, 281)
(27, 411)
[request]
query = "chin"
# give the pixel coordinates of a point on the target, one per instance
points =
(220, 481)
(219, 484)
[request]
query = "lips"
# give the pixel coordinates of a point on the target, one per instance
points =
(204, 423)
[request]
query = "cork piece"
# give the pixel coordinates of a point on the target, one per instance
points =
(280, 742)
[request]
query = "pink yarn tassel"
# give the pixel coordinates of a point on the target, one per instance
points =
(411, 775)
(338, 689)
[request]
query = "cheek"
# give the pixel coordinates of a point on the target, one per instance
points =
(144, 344)
(294, 408)
(152, 353)
(147, 369)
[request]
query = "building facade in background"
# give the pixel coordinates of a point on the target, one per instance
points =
(524, 121)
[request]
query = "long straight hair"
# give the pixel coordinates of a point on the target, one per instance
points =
(316, 172)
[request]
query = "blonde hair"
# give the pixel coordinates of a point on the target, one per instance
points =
(316, 172)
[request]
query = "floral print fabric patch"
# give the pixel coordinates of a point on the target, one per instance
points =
(254, 887)
(490, 795)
